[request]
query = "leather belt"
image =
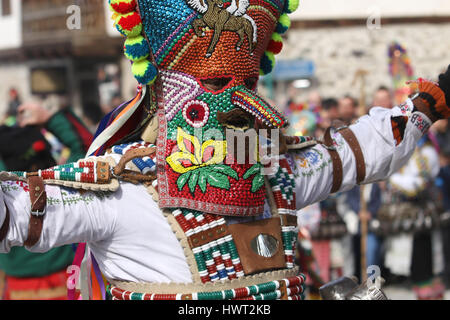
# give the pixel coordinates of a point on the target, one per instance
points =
(354, 145)
(336, 160)
(38, 198)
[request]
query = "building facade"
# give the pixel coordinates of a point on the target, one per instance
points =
(58, 47)
(43, 50)
(341, 37)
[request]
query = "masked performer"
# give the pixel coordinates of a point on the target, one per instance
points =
(174, 208)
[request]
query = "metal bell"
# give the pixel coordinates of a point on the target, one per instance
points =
(347, 288)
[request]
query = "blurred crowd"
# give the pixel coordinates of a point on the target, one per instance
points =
(398, 229)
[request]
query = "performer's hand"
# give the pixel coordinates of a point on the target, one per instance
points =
(434, 98)
(32, 114)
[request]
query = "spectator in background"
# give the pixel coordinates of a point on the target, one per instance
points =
(314, 101)
(327, 114)
(383, 98)
(330, 105)
(347, 109)
(14, 102)
(63, 124)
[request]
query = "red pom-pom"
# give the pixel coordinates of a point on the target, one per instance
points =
(275, 46)
(130, 21)
(38, 146)
(124, 7)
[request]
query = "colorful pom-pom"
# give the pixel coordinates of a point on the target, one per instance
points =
(123, 6)
(136, 48)
(276, 43)
(283, 24)
(291, 6)
(267, 63)
(144, 72)
(130, 24)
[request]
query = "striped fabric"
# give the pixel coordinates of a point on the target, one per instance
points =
(51, 287)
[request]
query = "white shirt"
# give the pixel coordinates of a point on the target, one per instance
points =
(130, 237)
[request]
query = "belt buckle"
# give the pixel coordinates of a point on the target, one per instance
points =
(331, 148)
(38, 213)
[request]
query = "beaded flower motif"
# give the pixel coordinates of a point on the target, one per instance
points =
(200, 164)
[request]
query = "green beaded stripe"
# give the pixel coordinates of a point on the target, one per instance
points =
(19, 173)
(287, 240)
(201, 264)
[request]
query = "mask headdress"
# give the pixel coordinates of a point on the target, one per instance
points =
(134, 25)
(276, 42)
(128, 22)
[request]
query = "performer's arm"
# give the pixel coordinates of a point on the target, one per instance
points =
(70, 217)
(386, 140)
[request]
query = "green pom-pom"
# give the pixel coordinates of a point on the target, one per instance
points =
(144, 72)
(277, 37)
(291, 6)
(284, 22)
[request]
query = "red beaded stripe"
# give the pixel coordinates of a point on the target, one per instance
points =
(241, 293)
(164, 297)
(84, 164)
(295, 290)
(88, 177)
(182, 222)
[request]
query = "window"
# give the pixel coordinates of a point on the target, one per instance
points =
(5, 7)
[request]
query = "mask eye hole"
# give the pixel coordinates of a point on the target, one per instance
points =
(216, 84)
(251, 83)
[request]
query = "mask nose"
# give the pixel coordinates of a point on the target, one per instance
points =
(257, 107)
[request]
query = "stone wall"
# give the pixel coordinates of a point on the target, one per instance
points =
(338, 53)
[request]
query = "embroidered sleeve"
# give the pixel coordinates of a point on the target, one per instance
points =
(71, 216)
(384, 152)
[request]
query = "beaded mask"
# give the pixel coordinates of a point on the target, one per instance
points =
(208, 55)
